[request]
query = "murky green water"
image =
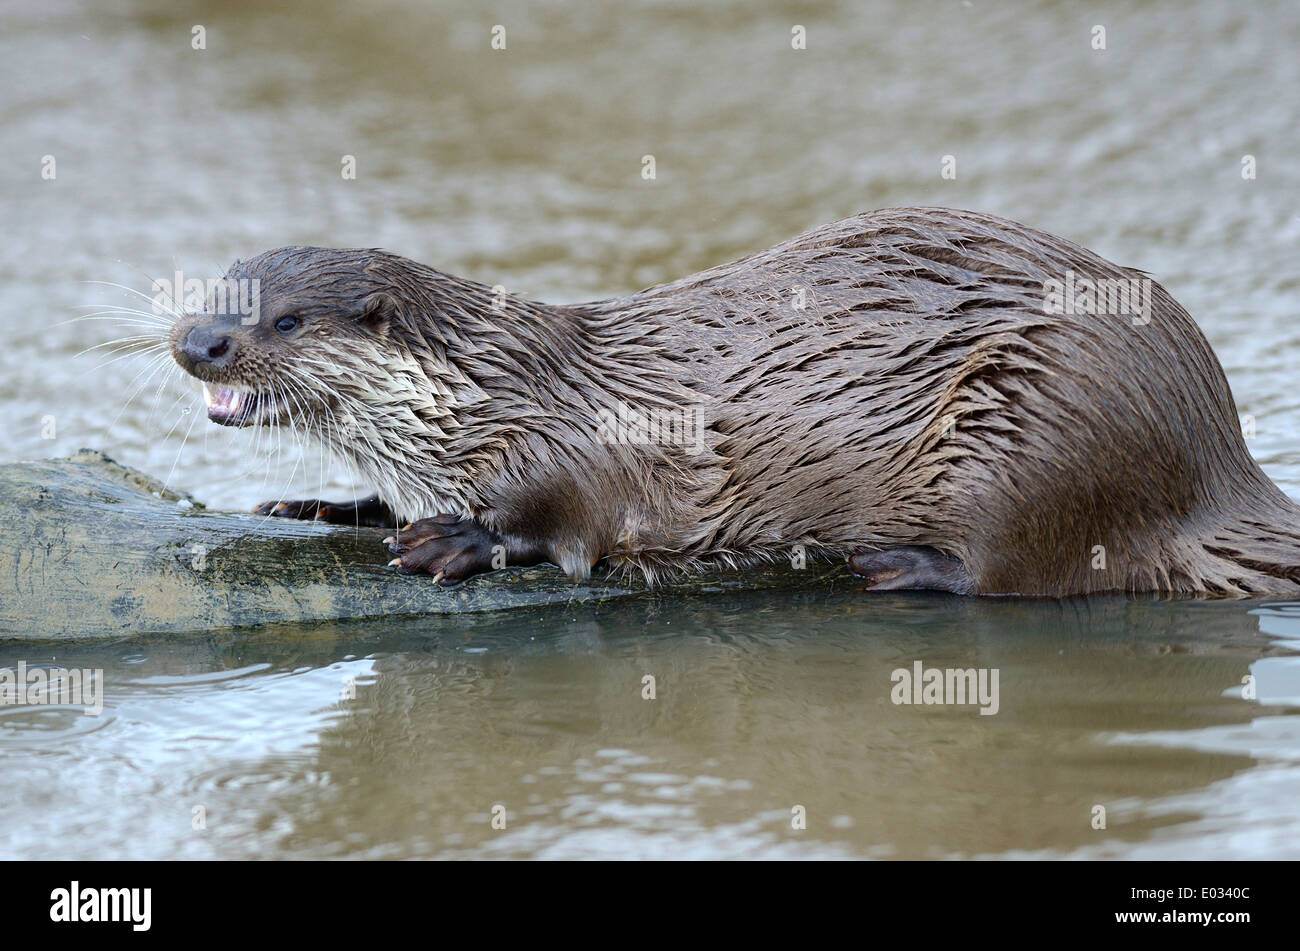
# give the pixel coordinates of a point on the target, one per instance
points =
(523, 167)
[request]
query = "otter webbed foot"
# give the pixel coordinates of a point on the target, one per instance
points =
(911, 567)
(452, 549)
(368, 511)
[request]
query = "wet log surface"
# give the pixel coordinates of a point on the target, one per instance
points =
(90, 548)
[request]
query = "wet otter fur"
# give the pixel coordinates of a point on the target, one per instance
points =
(891, 388)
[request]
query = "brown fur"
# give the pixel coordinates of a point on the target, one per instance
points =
(920, 396)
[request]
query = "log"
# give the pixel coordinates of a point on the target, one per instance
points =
(93, 549)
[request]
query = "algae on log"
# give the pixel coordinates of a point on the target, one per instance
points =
(90, 548)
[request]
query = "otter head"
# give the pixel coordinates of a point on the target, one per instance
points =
(285, 338)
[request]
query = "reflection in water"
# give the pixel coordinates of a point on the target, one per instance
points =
(522, 168)
(761, 706)
(1254, 814)
(1277, 679)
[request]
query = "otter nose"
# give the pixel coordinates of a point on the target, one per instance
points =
(207, 345)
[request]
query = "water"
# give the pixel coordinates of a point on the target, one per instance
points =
(523, 167)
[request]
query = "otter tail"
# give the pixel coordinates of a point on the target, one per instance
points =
(1255, 552)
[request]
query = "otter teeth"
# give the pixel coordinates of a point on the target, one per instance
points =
(223, 400)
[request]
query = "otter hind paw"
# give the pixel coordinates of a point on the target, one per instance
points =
(911, 568)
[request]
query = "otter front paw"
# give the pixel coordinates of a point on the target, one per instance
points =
(305, 509)
(368, 511)
(449, 548)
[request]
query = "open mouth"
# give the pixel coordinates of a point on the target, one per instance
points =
(230, 407)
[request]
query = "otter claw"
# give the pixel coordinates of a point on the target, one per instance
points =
(395, 562)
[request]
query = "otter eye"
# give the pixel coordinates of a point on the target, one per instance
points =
(287, 323)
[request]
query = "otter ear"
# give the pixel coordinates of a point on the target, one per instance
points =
(377, 311)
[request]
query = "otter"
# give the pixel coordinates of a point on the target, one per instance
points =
(948, 400)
